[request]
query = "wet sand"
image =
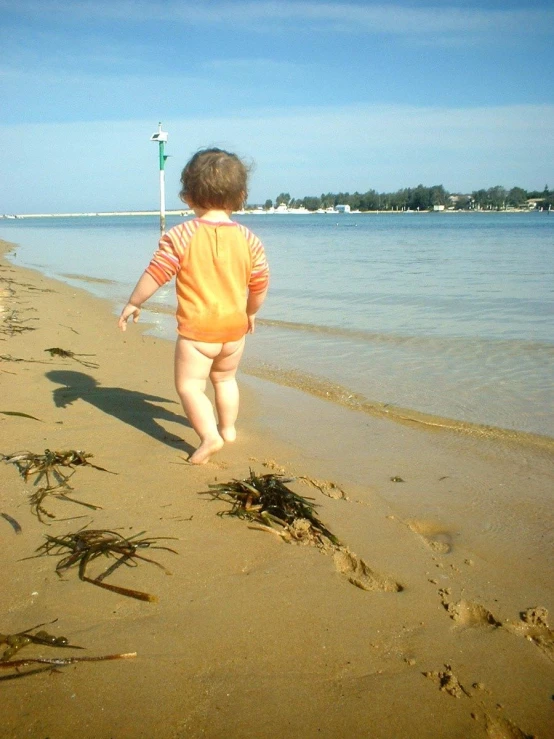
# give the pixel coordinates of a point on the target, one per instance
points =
(433, 622)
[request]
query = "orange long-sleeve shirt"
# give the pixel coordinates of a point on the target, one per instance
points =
(215, 266)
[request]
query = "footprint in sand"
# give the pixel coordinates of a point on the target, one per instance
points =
(533, 624)
(496, 727)
(467, 613)
(271, 464)
(448, 682)
(361, 575)
(433, 535)
(502, 728)
(327, 487)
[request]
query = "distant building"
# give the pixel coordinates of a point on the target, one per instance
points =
(438, 207)
(342, 208)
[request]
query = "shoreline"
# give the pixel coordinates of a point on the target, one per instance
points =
(344, 396)
(246, 624)
(292, 211)
(349, 396)
(335, 393)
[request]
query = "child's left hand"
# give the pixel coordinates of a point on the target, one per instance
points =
(126, 313)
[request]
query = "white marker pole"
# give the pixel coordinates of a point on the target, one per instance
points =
(161, 137)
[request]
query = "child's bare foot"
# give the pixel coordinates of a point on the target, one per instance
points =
(206, 449)
(228, 434)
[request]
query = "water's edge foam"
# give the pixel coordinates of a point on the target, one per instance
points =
(336, 393)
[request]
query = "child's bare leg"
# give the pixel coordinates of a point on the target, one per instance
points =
(223, 377)
(193, 362)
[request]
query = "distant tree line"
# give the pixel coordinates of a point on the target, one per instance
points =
(420, 198)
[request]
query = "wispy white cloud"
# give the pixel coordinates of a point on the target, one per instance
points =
(269, 15)
(253, 65)
(52, 50)
(390, 18)
(302, 151)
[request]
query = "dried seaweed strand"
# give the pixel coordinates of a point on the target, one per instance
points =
(61, 661)
(9, 358)
(52, 664)
(129, 592)
(37, 498)
(13, 523)
(26, 674)
(21, 415)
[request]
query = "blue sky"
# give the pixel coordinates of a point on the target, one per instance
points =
(322, 96)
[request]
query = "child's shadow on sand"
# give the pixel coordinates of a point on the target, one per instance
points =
(136, 409)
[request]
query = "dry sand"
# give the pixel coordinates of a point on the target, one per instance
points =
(437, 626)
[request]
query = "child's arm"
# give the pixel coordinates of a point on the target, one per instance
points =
(253, 305)
(259, 280)
(145, 288)
(162, 267)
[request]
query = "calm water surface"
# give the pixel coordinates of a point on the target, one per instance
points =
(447, 314)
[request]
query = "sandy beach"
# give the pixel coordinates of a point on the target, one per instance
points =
(430, 620)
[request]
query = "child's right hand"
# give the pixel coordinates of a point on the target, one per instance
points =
(126, 313)
(251, 324)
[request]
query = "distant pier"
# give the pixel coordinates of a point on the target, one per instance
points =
(92, 215)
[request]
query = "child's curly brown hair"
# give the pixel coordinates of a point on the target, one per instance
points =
(215, 178)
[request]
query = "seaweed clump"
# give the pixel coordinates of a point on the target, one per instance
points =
(269, 503)
(56, 351)
(49, 463)
(15, 642)
(49, 466)
(82, 547)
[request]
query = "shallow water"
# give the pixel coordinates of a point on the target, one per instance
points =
(447, 314)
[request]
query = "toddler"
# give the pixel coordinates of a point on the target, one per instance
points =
(222, 278)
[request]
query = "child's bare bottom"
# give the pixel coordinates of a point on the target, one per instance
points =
(195, 362)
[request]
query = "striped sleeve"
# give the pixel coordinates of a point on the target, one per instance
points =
(167, 259)
(259, 277)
